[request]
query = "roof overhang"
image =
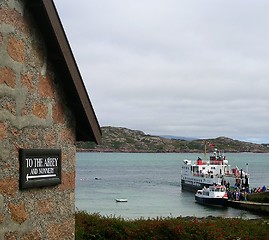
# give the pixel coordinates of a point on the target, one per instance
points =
(59, 52)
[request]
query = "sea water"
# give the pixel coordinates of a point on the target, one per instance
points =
(151, 183)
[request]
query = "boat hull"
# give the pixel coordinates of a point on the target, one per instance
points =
(192, 186)
(121, 200)
(212, 201)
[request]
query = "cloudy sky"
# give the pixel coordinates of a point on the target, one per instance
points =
(193, 68)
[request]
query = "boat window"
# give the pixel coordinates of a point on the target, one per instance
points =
(195, 169)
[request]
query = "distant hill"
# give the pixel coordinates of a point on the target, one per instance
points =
(119, 139)
(178, 137)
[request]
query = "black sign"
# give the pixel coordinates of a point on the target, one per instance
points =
(40, 167)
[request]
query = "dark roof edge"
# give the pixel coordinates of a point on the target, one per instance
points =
(66, 52)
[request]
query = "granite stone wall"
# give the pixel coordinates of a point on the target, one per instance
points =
(33, 115)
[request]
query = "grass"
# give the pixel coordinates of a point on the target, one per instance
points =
(94, 226)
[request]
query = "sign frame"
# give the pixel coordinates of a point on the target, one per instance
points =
(40, 167)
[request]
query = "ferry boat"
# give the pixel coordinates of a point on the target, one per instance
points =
(216, 171)
(214, 195)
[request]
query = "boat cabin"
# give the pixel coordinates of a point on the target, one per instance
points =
(212, 190)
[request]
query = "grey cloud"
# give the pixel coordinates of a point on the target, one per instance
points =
(189, 68)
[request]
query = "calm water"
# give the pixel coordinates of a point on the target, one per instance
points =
(151, 183)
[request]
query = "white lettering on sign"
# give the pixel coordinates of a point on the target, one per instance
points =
(41, 167)
(33, 171)
(38, 162)
(46, 170)
(51, 162)
(29, 162)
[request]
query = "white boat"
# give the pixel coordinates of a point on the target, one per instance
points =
(214, 195)
(215, 171)
(121, 200)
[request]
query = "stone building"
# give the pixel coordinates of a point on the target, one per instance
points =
(43, 107)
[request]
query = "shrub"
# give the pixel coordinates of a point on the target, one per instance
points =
(94, 226)
(262, 197)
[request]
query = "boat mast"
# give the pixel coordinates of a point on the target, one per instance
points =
(205, 150)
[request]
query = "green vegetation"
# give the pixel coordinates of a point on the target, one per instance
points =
(95, 226)
(259, 197)
(117, 139)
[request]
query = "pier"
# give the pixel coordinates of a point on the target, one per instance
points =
(261, 208)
